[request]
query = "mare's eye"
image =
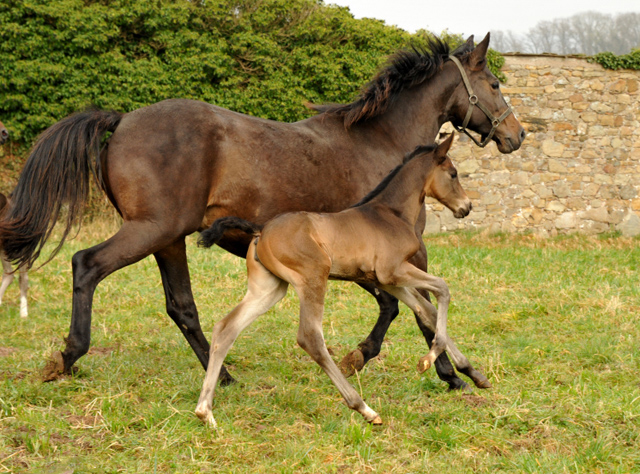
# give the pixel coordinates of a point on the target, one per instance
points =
(454, 174)
(495, 85)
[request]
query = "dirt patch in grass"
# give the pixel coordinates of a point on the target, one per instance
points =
(102, 351)
(7, 351)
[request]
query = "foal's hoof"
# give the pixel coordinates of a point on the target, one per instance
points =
(353, 361)
(377, 421)
(424, 364)
(55, 368)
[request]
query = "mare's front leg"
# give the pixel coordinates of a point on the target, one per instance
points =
(181, 307)
(133, 242)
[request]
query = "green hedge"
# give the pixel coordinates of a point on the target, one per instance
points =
(260, 57)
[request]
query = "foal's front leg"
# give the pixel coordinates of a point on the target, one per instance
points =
(311, 339)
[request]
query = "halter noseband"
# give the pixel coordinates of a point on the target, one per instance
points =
(473, 101)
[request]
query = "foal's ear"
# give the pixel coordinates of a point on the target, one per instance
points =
(478, 57)
(443, 149)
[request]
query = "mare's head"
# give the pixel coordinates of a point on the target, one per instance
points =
(477, 103)
(443, 183)
(4, 134)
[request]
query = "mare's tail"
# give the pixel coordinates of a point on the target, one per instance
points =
(56, 176)
(213, 234)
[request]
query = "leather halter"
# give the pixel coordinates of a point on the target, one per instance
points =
(473, 101)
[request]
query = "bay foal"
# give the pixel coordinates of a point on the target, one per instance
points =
(372, 241)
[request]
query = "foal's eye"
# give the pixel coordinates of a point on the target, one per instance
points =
(454, 174)
(495, 85)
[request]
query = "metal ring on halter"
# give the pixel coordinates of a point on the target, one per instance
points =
(474, 102)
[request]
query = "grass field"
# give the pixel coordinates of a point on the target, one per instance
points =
(554, 324)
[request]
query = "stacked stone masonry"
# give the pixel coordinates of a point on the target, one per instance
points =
(579, 167)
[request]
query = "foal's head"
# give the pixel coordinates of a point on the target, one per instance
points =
(4, 134)
(443, 183)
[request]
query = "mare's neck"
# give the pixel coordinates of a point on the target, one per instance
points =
(404, 195)
(416, 115)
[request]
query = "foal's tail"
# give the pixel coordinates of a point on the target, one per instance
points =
(56, 175)
(213, 234)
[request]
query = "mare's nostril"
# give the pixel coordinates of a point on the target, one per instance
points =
(522, 134)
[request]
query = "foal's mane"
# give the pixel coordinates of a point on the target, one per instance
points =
(405, 69)
(385, 182)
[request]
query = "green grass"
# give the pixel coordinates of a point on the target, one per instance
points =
(554, 324)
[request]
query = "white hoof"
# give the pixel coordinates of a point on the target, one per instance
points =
(206, 416)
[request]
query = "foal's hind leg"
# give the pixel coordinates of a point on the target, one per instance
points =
(264, 290)
(181, 307)
(134, 241)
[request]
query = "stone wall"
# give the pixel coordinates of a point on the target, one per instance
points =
(579, 167)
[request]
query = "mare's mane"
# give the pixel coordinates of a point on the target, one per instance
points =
(385, 182)
(404, 70)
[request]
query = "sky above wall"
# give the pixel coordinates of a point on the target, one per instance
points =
(477, 17)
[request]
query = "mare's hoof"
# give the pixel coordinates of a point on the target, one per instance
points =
(376, 421)
(459, 385)
(353, 361)
(226, 380)
(55, 368)
(483, 383)
(423, 364)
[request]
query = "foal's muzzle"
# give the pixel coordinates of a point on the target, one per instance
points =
(4, 135)
(464, 210)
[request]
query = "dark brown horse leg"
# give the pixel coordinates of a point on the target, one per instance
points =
(181, 307)
(370, 347)
(131, 243)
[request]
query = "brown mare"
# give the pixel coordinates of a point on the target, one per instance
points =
(373, 241)
(7, 270)
(174, 167)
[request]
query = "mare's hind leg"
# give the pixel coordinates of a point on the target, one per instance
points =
(370, 347)
(264, 290)
(311, 339)
(133, 242)
(181, 307)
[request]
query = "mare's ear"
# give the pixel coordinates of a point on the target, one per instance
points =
(478, 57)
(469, 42)
(443, 149)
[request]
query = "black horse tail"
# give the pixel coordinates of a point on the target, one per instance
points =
(213, 234)
(56, 176)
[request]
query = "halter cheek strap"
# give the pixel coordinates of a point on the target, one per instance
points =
(473, 102)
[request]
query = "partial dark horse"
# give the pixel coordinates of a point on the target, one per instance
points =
(4, 134)
(172, 168)
(7, 271)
